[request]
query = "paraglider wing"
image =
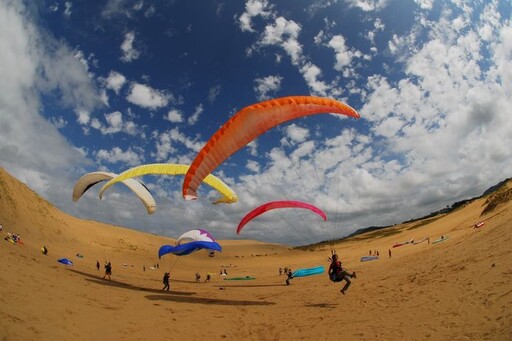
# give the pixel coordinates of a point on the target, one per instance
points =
(91, 179)
(278, 204)
(188, 248)
(228, 195)
(65, 261)
(195, 235)
(249, 123)
(309, 271)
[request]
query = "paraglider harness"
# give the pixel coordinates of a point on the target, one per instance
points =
(336, 275)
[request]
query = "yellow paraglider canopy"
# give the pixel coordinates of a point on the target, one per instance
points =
(228, 195)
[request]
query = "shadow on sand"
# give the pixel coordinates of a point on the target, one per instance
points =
(322, 305)
(115, 284)
(205, 300)
(250, 285)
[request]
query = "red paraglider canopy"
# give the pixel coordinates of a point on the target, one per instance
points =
(278, 204)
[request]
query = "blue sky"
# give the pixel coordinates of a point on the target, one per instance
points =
(108, 85)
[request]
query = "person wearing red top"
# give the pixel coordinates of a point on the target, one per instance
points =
(338, 273)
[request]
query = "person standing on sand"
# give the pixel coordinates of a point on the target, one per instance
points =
(289, 276)
(338, 273)
(108, 270)
(166, 281)
(98, 265)
(389, 252)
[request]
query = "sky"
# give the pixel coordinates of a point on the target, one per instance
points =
(108, 85)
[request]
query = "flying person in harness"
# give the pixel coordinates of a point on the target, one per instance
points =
(338, 273)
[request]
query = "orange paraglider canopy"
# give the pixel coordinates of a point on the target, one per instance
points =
(249, 123)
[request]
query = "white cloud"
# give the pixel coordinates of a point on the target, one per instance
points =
(296, 134)
(129, 52)
(214, 92)
(195, 115)
(165, 143)
(253, 8)
(117, 155)
(67, 9)
(31, 147)
(164, 146)
(311, 74)
(83, 116)
(174, 116)
(344, 55)
(266, 85)
(115, 81)
(285, 34)
(253, 166)
(252, 147)
(58, 122)
(369, 5)
(115, 124)
(147, 97)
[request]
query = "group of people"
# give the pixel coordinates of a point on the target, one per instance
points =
(337, 273)
(208, 277)
(108, 269)
(13, 237)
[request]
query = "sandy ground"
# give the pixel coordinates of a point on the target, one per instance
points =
(459, 289)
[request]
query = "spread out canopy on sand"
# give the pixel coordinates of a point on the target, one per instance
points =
(65, 261)
(249, 123)
(278, 204)
(188, 248)
(317, 270)
(195, 235)
(228, 195)
(91, 179)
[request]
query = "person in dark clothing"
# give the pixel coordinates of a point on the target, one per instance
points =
(166, 281)
(289, 276)
(338, 273)
(108, 270)
(98, 265)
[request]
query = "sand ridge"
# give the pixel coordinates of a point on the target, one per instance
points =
(458, 289)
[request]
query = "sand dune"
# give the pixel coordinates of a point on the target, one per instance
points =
(458, 289)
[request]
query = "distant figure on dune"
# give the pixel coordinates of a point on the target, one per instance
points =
(289, 276)
(108, 270)
(166, 281)
(389, 252)
(98, 265)
(208, 277)
(44, 250)
(338, 273)
(198, 277)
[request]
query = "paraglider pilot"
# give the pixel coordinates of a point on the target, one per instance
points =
(166, 281)
(338, 273)
(290, 276)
